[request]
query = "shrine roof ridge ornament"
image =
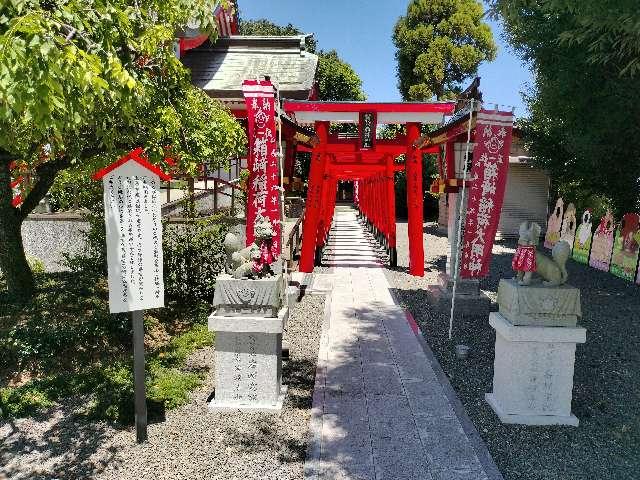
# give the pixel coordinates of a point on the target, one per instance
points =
(136, 155)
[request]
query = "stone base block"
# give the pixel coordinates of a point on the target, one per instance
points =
(216, 406)
(539, 305)
(248, 352)
(251, 298)
(533, 372)
(478, 304)
(465, 286)
(313, 283)
(570, 420)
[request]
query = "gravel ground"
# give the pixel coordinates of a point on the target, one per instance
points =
(190, 443)
(606, 396)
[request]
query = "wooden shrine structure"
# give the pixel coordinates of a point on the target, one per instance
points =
(369, 161)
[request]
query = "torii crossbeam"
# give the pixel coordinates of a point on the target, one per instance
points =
(370, 162)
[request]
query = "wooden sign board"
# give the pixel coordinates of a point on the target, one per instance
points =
(602, 243)
(134, 234)
(625, 247)
(554, 225)
(582, 242)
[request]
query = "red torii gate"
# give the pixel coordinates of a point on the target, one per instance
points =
(369, 161)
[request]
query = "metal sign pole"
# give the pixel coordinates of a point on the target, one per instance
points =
(137, 318)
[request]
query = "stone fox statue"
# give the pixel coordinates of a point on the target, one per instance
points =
(528, 260)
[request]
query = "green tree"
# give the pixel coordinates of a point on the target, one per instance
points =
(82, 82)
(337, 80)
(583, 110)
(264, 27)
(440, 44)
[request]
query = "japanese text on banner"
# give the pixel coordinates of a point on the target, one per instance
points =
(486, 194)
(263, 198)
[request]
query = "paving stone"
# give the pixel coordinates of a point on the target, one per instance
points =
(459, 475)
(390, 418)
(338, 401)
(446, 444)
(351, 471)
(384, 414)
(427, 398)
(381, 379)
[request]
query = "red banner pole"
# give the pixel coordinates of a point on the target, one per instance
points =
(314, 198)
(414, 202)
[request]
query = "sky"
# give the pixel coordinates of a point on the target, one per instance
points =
(361, 31)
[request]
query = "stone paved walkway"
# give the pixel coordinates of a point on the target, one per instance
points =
(379, 410)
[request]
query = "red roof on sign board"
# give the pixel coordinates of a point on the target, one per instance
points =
(137, 156)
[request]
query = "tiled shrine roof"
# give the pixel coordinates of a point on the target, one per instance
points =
(220, 69)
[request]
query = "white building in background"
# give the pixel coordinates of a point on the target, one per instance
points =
(526, 197)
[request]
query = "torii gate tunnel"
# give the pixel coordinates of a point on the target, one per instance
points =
(370, 163)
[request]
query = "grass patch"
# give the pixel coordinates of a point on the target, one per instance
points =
(66, 344)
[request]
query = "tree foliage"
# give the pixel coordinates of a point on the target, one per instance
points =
(440, 44)
(583, 108)
(337, 80)
(264, 27)
(82, 81)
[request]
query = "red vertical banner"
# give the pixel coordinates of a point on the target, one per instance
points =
(263, 196)
(488, 182)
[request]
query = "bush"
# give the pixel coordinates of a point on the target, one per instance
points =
(193, 257)
(74, 190)
(93, 261)
(36, 265)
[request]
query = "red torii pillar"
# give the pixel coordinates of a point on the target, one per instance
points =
(329, 192)
(391, 213)
(415, 202)
(314, 199)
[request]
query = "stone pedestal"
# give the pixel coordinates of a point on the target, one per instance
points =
(469, 299)
(252, 298)
(248, 353)
(536, 338)
(537, 305)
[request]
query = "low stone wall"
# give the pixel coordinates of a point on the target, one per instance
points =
(48, 236)
(205, 203)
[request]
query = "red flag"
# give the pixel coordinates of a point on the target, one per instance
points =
(488, 182)
(263, 197)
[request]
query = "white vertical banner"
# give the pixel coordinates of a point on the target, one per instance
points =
(134, 234)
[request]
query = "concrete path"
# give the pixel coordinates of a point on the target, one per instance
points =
(379, 409)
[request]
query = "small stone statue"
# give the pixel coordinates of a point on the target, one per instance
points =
(238, 259)
(255, 260)
(528, 260)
